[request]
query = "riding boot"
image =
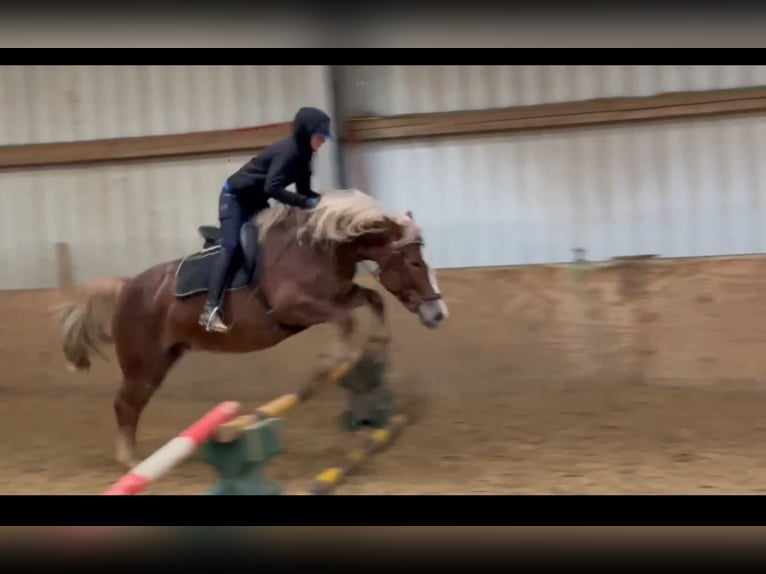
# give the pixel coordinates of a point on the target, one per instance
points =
(212, 314)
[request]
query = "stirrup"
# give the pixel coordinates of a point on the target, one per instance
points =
(214, 314)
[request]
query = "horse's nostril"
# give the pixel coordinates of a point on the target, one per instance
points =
(439, 316)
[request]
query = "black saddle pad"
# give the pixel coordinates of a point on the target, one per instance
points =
(193, 274)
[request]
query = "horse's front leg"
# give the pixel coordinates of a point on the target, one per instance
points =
(304, 310)
(359, 296)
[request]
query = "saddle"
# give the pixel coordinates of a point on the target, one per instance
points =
(193, 272)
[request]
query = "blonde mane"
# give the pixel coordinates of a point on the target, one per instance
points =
(341, 216)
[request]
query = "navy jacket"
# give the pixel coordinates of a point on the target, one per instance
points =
(282, 163)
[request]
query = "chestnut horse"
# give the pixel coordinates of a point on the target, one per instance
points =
(307, 260)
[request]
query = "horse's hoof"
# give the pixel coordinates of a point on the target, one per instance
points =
(380, 338)
(378, 343)
(124, 454)
(326, 362)
(128, 463)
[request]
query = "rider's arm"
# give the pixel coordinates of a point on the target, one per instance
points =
(275, 182)
(303, 180)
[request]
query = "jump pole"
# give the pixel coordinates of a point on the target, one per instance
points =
(326, 481)
(174, 451)
(241, 449)
(222, 425)
(230, 431)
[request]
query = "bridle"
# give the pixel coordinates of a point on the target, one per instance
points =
(386, 261)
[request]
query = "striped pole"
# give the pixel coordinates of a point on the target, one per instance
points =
(378, 439)
(280, 406)
(174, 451)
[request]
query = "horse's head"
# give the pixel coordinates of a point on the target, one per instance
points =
(354, 222)
(405, 273)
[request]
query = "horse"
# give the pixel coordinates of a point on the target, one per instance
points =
(304, 276)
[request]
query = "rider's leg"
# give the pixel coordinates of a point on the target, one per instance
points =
(231, 218)
(251, 240)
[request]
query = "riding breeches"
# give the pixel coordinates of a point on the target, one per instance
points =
(232, 217)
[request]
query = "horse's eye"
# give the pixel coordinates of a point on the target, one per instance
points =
(416, 264)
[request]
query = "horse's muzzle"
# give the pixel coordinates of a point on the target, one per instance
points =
(432, 313)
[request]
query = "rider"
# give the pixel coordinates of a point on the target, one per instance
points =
(247, 191)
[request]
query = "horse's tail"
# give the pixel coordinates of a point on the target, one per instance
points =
(84, 318)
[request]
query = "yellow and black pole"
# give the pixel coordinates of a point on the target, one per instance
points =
(377, 440)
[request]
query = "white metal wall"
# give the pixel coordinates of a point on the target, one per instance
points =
(391, 90)
(675, 189)
(68, 103)
(120, 218)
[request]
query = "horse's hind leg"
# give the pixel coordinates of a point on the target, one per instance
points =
(142, 378)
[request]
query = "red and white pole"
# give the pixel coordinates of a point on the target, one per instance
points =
(174, 451)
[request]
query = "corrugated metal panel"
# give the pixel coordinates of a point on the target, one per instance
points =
(124, 217)
(676, 189)
(67, 103)
(117, 219)
(387, 90)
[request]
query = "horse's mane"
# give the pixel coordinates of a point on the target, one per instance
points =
(341, 216)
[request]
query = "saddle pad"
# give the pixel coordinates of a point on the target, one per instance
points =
(193, 274)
